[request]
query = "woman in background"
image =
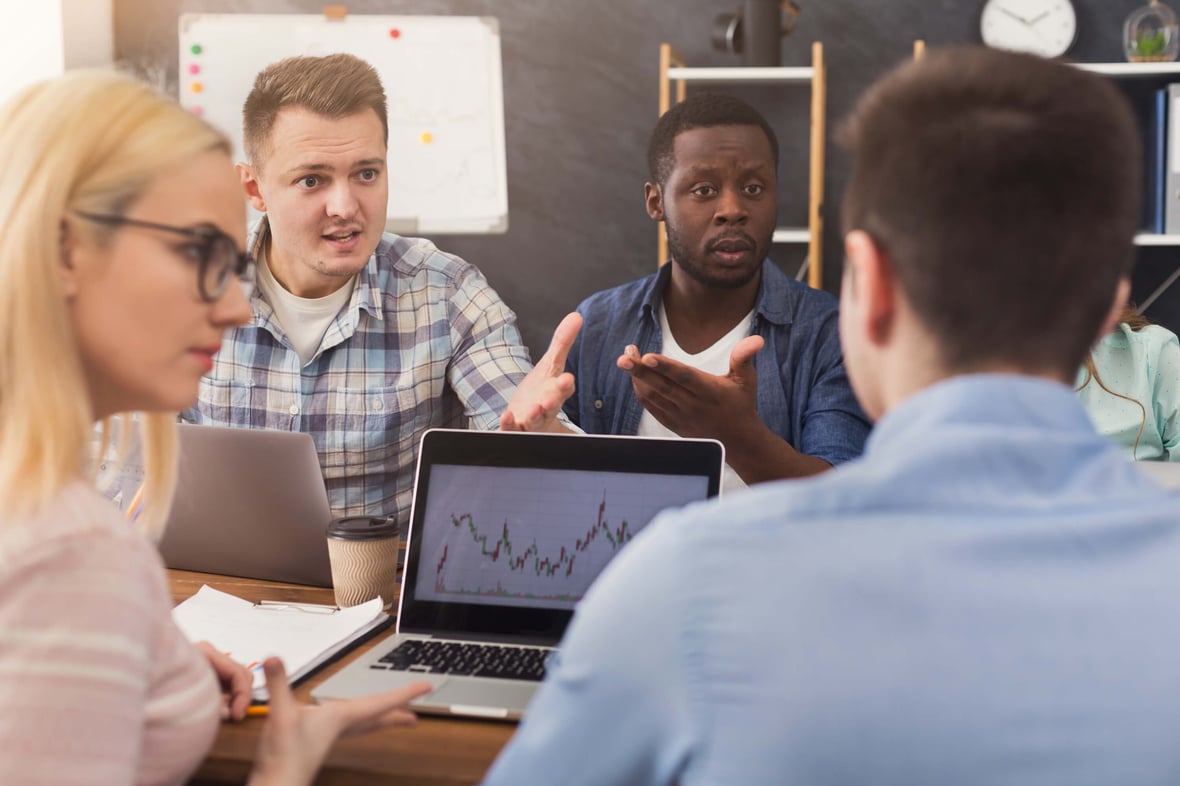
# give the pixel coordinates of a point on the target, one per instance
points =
(120, 270)
(1130, 386)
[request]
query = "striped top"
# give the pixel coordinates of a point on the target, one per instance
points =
(97, 685)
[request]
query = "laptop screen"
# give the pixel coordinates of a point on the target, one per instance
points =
(509, 530)
(518, 536)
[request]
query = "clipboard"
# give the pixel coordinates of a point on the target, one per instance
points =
(305, 636)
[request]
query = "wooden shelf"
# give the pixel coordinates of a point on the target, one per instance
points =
(1153, 239)
(743, 75)
(1131, 69)
(791, 235)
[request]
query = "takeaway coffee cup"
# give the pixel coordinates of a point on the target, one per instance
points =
(363, 554)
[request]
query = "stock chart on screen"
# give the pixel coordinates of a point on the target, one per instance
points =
(533, 537)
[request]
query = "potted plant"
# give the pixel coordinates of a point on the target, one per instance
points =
(1150, 34)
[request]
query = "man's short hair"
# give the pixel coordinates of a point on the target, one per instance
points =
(334, 86)
(702, 110)
(1005, 191)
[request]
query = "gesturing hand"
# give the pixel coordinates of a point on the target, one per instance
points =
(692, 403)
(296, 737)
(539, 396)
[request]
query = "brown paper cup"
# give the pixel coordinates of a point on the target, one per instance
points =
(363, 555)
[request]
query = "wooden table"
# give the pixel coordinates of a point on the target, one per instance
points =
(438, 751)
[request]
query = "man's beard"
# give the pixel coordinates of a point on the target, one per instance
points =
(678, 254)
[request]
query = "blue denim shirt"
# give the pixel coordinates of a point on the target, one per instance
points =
(803, 391)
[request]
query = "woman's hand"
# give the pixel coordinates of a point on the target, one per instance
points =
(236, 682)
(296, 737)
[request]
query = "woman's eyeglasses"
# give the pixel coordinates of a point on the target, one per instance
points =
(217, 255)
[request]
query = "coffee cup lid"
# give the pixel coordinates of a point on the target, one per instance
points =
(363, 528)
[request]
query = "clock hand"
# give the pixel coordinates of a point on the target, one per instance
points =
(1036, 19)
(1017, 17)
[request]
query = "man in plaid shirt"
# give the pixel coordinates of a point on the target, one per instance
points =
(359, 338)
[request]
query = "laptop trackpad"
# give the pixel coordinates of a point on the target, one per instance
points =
(479, 697)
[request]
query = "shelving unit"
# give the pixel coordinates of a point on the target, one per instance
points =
(1129, 71)
(674, 68)
(1139, 71)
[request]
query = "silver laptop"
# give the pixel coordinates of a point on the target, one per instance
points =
(507, 532)
(251, 503)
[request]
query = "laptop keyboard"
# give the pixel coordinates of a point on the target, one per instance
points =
(479, 660)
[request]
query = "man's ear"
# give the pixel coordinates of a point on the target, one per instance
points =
(1122, 293)
(870, 285)
(654, 201)
(249, 179)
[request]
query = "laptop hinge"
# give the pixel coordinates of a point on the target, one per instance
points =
(497, 638)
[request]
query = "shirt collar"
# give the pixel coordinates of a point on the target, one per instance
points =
(365, 295)
(777, 299)
(1005, 401)
(649, 307)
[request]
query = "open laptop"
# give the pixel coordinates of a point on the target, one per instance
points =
(249, 502)
(507, 532)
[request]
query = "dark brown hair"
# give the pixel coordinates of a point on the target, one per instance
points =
(1005, 191)
(334, 86)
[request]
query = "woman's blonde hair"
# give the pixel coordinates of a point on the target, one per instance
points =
(89, 141)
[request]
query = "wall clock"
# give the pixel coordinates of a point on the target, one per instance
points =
(1040, 27)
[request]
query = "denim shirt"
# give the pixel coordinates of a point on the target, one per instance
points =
(803, 391)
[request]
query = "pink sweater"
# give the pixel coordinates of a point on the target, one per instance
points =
(97, 686)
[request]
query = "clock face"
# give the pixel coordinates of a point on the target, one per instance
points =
(1039, 27)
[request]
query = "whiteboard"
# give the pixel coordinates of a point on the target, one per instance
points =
(442, 79)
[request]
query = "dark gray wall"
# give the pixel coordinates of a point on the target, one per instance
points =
(580, 97)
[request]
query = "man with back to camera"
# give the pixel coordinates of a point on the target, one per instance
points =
(362, 339)
(719, 343)
(987, 595)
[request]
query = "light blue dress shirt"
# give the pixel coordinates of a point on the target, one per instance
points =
(990, 595)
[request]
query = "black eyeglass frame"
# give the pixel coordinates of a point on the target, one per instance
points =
(242, 263)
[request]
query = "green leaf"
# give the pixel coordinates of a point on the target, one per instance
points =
(1150, 44)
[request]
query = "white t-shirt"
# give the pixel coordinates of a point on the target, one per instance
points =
(304, 320)
(712, 360)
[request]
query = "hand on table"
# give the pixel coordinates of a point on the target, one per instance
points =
(297, 737)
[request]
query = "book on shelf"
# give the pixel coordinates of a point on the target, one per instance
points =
(305, 636)
(1156, 153)
(1172, 170)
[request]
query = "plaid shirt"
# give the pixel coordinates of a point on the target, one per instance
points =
(423, 342)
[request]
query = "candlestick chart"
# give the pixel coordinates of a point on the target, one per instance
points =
(533, 537)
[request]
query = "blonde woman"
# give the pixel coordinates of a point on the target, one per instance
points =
(1130, 387)
(119, 272)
